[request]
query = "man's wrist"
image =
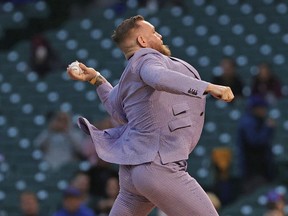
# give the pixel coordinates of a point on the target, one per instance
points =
(208, 88)
(94, 79)
(97, 80)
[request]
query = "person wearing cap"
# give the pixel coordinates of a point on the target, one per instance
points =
(275, 204)
(255, 136)
(73, 204)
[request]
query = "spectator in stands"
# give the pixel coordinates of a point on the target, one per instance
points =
(266, 84)
(29, 204)
(43, 58)
(275, 204)
(229, 76)
(255, 136)
(60, 142)
(81, 181)
(73, 204)
(111, 191)
(225, 185)
(273, 212)
(99, 175)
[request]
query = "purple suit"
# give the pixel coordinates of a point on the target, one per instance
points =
(159, 104)
(154, 119)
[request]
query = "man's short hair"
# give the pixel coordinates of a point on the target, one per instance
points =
(29, 193)
(122, 31)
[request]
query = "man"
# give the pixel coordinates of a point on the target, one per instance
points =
(60, 142)
(255, 137)
(230, 76)
(275, 204)
(29, 204)
(159, 104)
(73, 204)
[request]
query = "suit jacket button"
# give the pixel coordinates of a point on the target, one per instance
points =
(201, 113)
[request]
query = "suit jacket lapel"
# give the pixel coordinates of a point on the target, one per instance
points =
(187, 66)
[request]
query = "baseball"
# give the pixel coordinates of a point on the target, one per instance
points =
(75, 67)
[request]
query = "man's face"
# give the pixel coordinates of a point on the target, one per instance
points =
(72, 204)
(29, 204)
(82, 182)
(264, 73)
(227, 67)
(153, 38)
(260, 111)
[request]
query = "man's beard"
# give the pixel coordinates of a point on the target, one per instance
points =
(164, 49)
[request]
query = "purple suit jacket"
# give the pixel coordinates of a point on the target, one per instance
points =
(159, 104)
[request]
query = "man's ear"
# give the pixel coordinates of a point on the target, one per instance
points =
(141, 41)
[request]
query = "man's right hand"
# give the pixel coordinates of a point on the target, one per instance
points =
(220, 92)
(87, 75)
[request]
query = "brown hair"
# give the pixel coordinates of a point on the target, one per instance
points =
(28, 193)
(122, 31)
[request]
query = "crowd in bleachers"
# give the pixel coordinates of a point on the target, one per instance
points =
(47, 163)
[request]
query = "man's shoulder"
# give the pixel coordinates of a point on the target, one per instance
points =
(85, 210)
(143, 55)
(60, 212)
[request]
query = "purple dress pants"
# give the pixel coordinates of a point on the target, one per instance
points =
(169, 187)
